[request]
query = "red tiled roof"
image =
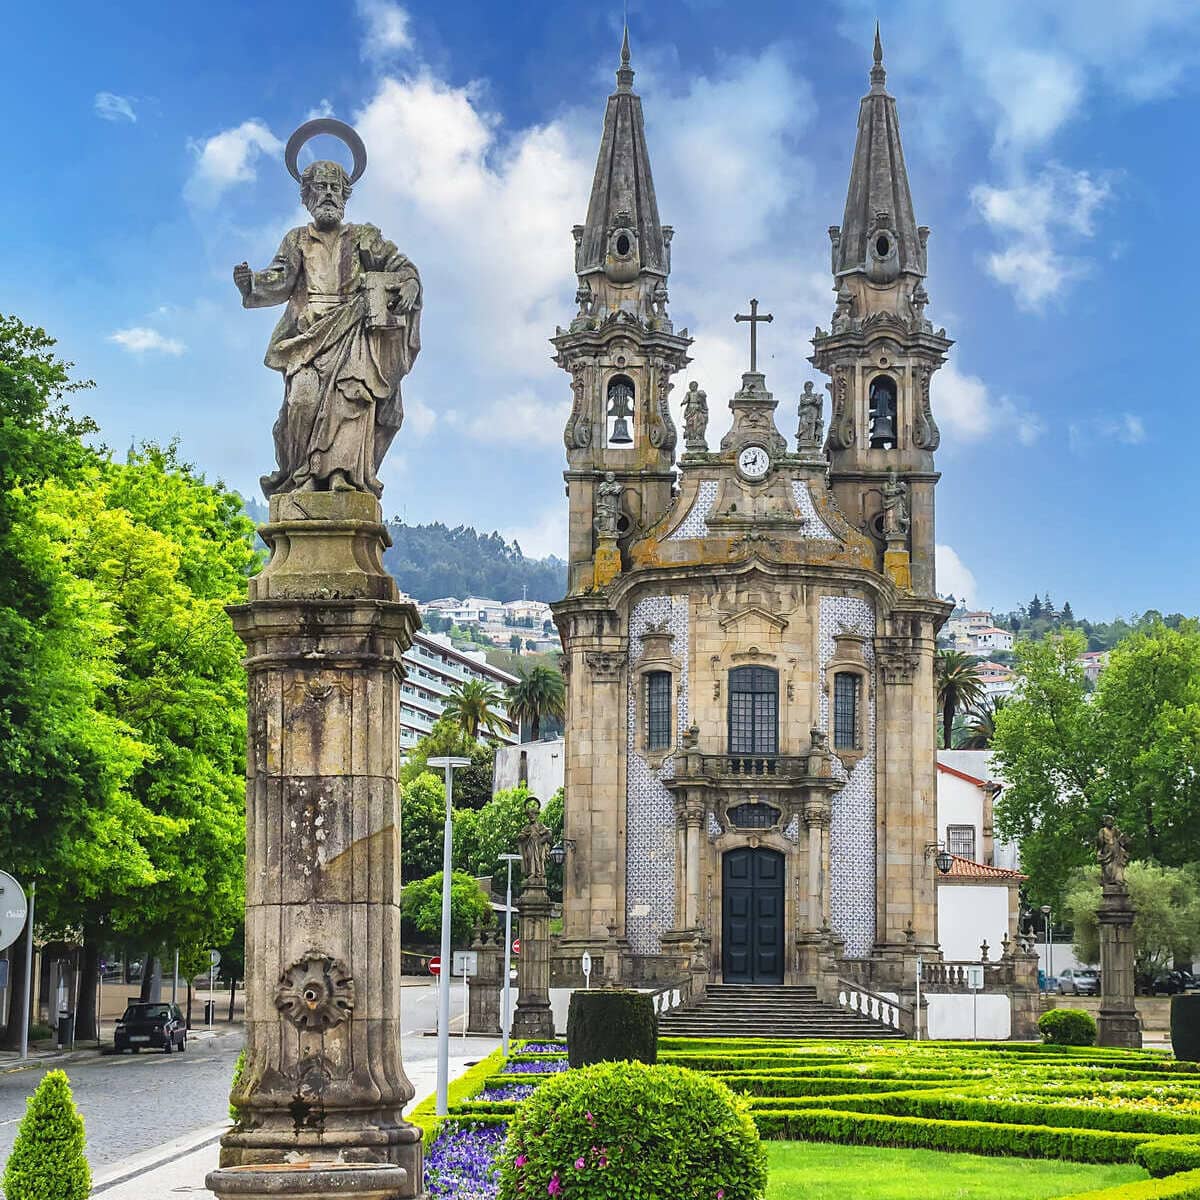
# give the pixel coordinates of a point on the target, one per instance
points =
(983, 783)
(965, 868)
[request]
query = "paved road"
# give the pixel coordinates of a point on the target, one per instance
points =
(134, 1102)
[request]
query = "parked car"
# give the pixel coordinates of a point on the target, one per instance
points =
(152, 1026)
(1171, 983)
(1078, 981)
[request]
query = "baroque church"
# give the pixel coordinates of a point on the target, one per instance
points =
(750, 620)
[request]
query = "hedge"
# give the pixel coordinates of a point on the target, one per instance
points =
(1185, 1026)
(611, 1025)
(1169, 1155)
(424, 1115)
(1178, 1187)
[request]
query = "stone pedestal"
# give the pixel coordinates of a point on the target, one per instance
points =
(324, 632)
(484, 996)
(533, 1018)
(1118, 1024)
(314, 1181)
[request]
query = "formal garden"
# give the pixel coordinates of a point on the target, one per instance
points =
(836, 1119)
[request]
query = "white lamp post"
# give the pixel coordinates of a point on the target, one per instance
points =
(1048, 913)
(506, 1015)
(443, 1046)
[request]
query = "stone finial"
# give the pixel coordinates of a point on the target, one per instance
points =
(878, 74)
(625, 72)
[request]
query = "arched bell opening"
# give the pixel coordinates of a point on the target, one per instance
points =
(882, 415)
(619, 411)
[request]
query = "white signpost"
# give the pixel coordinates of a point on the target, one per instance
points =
(917, 1010)
(466, 964)
(586, 963)
(15, 911)
(210, 1011)
(975, 983)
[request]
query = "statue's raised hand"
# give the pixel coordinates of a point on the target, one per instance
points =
(243, 277)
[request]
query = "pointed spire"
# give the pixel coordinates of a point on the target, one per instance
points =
(878, 74)
(625, 73)
(879, 232)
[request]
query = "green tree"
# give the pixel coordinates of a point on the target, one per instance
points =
(981, 724)
(421, 906)
(1166, 927)
(422, 825)
(473, 784)
(1131, 749)
(47, 1160)
(472, 706)
(497, 827)
(958, 687)
(540, 693)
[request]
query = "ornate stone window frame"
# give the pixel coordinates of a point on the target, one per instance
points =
(849, 658)
(656, 656)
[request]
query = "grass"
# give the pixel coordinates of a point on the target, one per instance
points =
(820, 1171)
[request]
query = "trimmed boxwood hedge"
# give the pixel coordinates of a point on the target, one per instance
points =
(1169, 1155)
(1185, 1026)
(1068, 1027)
(1178, 1187)
(611, 1025)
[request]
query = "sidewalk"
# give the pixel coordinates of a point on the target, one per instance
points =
(10, 1060)
(179, 1167)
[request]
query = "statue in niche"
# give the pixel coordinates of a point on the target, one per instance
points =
(695, 418)
(894, 519)
(349, 334)
(534, 842)
(608, 506)
(1112, 852)
(660, 297)
(812, 422)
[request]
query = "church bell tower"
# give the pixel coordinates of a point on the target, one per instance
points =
(621, 351)
(881, 352)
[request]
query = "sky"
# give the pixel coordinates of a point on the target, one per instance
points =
(1050, 148)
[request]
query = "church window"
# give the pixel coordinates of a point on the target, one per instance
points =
(753, 710)
(960, 840)
(658, 710)
(753, 815)
(620, 410)
(882, 246)
(623, 244)
(847, 687)
(882, 398)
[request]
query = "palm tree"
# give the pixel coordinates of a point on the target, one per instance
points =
(472, 707)
(958, 686)
(540, 693)
(982, 725)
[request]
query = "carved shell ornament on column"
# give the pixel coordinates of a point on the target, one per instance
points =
(316, 992)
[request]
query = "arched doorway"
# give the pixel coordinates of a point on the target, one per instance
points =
(752, 916)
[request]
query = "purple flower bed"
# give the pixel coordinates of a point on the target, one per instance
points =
(462, 1162)
(508, 1091)
(545, 1066)
(544, 1048)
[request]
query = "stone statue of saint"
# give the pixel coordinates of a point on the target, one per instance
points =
(608, 506)
(349, 334)
(695, 417)
(894, 519)
(820, 764)
(534, 844)
(812, 422)
(1112, 852)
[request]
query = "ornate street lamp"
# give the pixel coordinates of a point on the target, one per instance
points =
(944, 860)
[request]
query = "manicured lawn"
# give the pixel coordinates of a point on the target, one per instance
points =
(820, 1171)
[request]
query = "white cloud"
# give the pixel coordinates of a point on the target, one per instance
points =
(1126, 428)
(954, 577)
(385, 29)
(111, 107)
(138, 339)
(228, 158)
(522, 419)
(965, 410)
(546, 535)
(1042, 220)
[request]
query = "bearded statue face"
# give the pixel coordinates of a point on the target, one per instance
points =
(324, 190)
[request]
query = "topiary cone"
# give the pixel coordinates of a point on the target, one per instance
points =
(1185, 1027)
(47, 1160)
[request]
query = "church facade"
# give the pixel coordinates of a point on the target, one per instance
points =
(750, 756)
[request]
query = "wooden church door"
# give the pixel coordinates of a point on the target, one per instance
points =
(752, 916)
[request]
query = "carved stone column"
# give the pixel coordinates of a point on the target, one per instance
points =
(533, 1017)
(324, 631)
(817, 818)
(1118, 1024)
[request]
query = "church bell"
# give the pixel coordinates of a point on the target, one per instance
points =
(883, 431)
(620, 433)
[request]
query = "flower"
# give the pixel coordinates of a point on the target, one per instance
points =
(580, 1163)
(720, 1194)
(587, 1116)
(554, 1188)
(520, 1160)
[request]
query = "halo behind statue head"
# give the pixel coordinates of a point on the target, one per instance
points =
(340, 130)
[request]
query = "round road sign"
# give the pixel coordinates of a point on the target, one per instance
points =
(13, 910)
(516, 945)
(214, 958)
(435, 965)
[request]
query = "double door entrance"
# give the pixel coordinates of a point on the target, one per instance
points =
(752, 916)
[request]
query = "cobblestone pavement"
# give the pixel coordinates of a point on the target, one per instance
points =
(132, 1102)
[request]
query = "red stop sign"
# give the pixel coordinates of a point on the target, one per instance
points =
(516, 945)
(435, 965)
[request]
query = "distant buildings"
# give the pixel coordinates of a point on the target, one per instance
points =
(434, 668)
(524, 626)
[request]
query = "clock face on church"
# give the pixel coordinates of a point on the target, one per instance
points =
(754, 462)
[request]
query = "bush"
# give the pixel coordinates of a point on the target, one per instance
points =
(618, 1130)
(421, 905)
(1182, 1187)
(608, 1025)
(1185, 1027)
(1067, 1027)
(1169, 1155)
(239, 1067)
(47, 1160)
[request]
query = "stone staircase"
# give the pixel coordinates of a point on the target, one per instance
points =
(753, 1010)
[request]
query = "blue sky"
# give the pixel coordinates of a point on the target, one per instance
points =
(1050, 148)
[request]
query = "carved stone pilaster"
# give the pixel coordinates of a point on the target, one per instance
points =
(604, 665)
(898, 658)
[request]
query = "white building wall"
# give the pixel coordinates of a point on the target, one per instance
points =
(959, 803)
(544, 764)
(975, 1015)
(967, 914)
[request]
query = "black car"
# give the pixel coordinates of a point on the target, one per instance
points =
(152, 1026)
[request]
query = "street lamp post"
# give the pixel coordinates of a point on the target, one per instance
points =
(443, 1046)
(506, 1006)
(1048, 913)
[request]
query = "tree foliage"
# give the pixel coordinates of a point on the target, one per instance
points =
(958, 687)
(1131, 748)
(473, 784)
(540, 693)
(472, 706)
(421, 906)
(1166, 925)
